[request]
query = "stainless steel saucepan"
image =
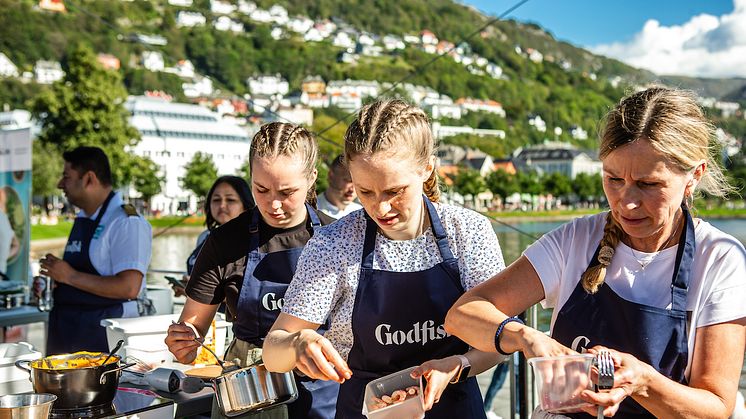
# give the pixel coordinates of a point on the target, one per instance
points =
(252, 389)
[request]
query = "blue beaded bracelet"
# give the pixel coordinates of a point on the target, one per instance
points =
(500, 330)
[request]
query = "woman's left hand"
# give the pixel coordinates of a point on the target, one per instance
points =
(438, 373)
(630, 378)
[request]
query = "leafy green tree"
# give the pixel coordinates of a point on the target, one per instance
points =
(200, 175)
(322, 181)
(87, 108)
(46, 170)
(502, 184)
(244, 171)
(468, 182)
(557, 184)
(146, 178)
(530, 184)
(587, 187)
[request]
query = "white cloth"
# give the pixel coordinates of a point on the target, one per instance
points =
(323, 205)
(123, 243)
(717, 288)
(326, 279)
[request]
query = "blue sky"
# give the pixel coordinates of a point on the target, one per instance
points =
(689, 37)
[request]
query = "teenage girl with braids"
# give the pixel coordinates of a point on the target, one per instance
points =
(386, 275)
(249, 261)
(662, 291)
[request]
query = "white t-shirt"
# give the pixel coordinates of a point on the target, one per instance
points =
(717, 288)
(123, 243)
(325, 282)
(323, 205)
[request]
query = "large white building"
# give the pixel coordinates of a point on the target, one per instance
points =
(172, 133)
(552, 157)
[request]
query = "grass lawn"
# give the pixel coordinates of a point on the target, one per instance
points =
(62, 229)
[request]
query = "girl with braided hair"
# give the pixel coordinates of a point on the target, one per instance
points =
(662, 291)
(249, 261)
(386, 275)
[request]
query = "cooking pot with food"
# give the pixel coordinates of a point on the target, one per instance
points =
(253, 388)
(78, 380)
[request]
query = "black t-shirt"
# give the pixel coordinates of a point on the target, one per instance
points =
(219, 270)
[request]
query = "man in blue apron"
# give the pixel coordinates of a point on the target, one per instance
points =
(105, 259)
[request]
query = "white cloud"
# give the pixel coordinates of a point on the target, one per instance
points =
(705, 46)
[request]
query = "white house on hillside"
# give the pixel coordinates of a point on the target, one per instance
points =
(172, 133)
(7, 68)
(190, 19)
(477, 105)
(268, 85)
(180, 3)
(153, 60)
(361, 88)
(224, 23)
(443, 131)
(221, 7)
(200, 86)
(48, 72)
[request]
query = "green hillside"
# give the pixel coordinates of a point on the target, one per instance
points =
(569, 87)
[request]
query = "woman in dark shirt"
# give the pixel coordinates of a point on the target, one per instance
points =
(249, 261)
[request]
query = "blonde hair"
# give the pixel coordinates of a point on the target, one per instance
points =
(282, 139)
(675, 126)
(393, 124)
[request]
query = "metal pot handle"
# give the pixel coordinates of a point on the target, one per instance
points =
(20, 364)
(102, 379)
(24, 365)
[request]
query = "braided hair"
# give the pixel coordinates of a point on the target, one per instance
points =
(388, 124)
(283, 139)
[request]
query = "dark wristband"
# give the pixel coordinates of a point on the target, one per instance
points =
(500, 330)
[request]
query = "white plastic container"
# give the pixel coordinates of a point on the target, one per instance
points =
(9, 354)
(412, 408)
(153, 357)
(148, 333)
(560, 380)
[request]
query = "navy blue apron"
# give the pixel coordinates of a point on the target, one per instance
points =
(192, 259)
(75, 319)
(656, 336)
(397, 323)
(265, 281)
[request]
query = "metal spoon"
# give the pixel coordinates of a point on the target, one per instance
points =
(113, 351)
(220, 361)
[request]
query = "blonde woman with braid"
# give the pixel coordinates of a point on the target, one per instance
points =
(662, 291)
(249, 261)
(386, 275)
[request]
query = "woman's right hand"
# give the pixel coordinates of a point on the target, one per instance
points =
(317, 358)
(181, 342)
(535, 343)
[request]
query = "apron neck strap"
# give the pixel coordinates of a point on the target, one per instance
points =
(315, 221)
(371, 229)
(438, 230)
(682, 271)
(104, 206)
